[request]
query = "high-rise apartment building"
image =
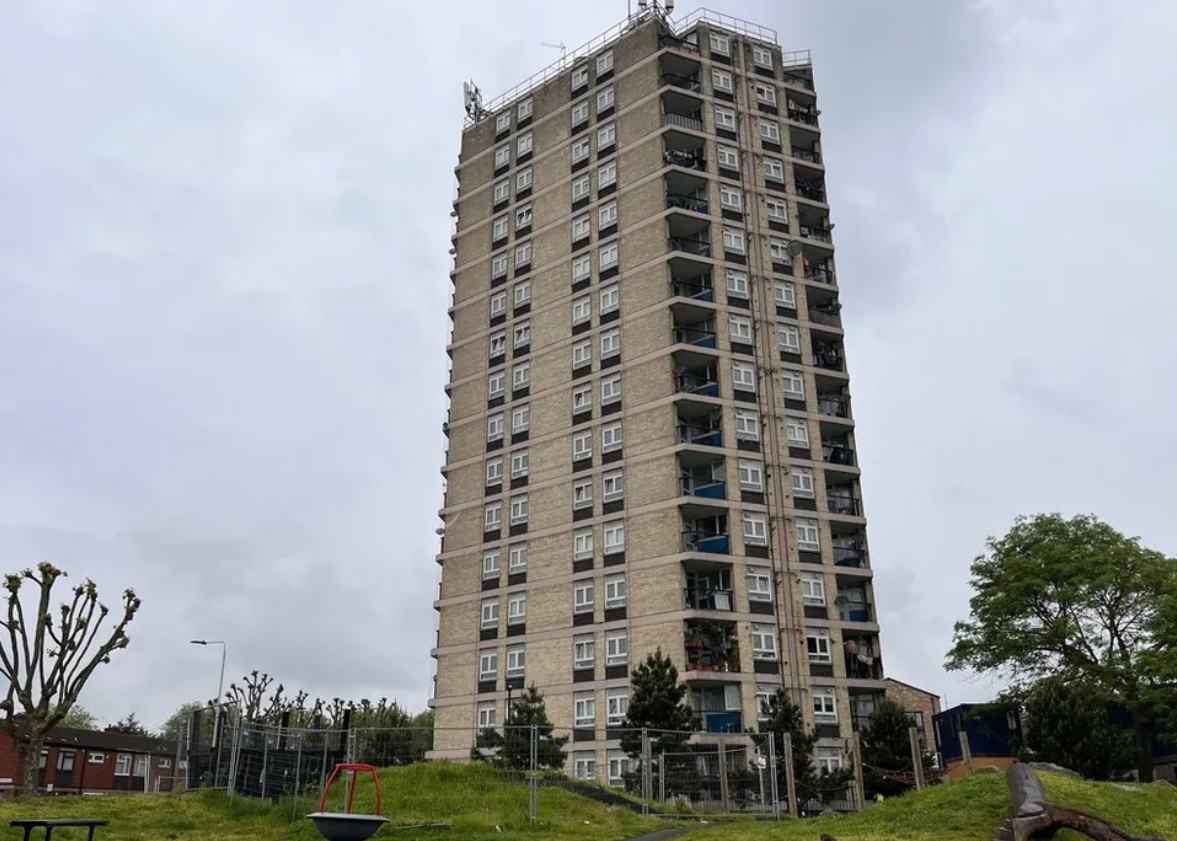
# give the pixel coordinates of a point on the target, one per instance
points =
(651, 442)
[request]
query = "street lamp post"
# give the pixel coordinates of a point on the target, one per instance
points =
(224, 651)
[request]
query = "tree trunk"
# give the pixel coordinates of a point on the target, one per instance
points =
(28, 753)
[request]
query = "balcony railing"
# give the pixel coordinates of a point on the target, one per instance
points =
(691, 245)
(695, 384)
(696, 541)
(798, 82)
(694, 336)
(819, 234)
(837, 454)
(687, 83)
(682, 121)
(803, 115)
(837, 405)
(699, 289)
(685, 202)
(706, 436)
(829, 357)
(821, 274)
(849, 556)
(725, 722)
(687, 160)
(806, 155)
(856, 612)
(821, 316)
(708, 598)
(705, 488)
(844, 505)
(813, 192)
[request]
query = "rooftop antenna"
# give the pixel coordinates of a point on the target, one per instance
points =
(472, 99)
(563, 50)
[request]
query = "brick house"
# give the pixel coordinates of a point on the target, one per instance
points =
(921, 706)
(90, 761)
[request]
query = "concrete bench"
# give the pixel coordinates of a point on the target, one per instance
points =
(48, 824)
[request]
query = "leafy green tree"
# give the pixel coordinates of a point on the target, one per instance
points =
(1078, 600)
(1069, 724)
(176, 724)
(785, 717)
(886, 746)
(511, 749)
(79, 718)
(657, 704)
(129, 726)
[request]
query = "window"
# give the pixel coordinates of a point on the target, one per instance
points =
(524, 144)
(496, 384)
(521, 375)
(520, 464)
(522, 217)
(140, 766)
(65, 760)
(789, 338)
(802, 482)
(582, 445)
(610, 299)
(518, 558)
(604, 62)
(582, 493)
(725, 118)
(494, 471)
(759, 584)
(740, 329)
(522, 333)
(582, 401)
(612, 486)
(522, 293)
(523, 255)
(582, 353)
(817, 645)
(96, 758)
(498, 304)
(736, 283)
(611, 437)
(761, 56)
(582, 267)
(618, 768)
(582, 596)
(582, 309)
(721, 43)
(122, 765)
(614, 537)
(615, 591)
(765, 701)
(490, 613)
(755, 529)
(616, 706)
(500, 228)
(730, 197)
(516, 660)
(616, 648)
(608, 255)
(774, 170)
(765, 93)
(584, 765)
(606, 136)
(797, 431)
(503, 121)
(585, 710)
(721, 80)
(498, 265)
(488, 664)
(525, 109)
(492, 516)
(584, 652)
(728, 157)
(807, 536)
(825, 706)
(581, 227)
(582, 544)
(610, 343)
(829, 760)
(580, 76)
(580, 113)
(751, 473)
(524, 179)
(747, 424)
(606, 174)
(490, 563)
(521, 418)
(580, 188)
(518, 509)
(611, 389)
(779, 250)
(502, 191)
(770, 131)
(607, 215)
(785, 295)
(794, 384)
(517, 609)
(813, 589)
(763, 642)
(743, 376)
(487, 716)
(776, 210)
(733, 240)
(498, 343)
(494, 427)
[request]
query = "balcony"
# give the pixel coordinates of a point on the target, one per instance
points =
(834, 403)
(702, 381)
(840, 500)
(706, 534)
(697, 288)
(827, 314)
(694, 202)
(724, 722)
(805, 114)
(809, 155)
(853, 605)
(796, 79)
(692, 121)
(820, 273)
(694, 245)
(685, 159)
(718, 707)
(704, 480)
(711, 646)
(687, 83)
(849, 550)
(697, 335)
(829, 355)
(837, 451)
(862, 659)
(817, 233)
(813, 190)
(709, 589)
(682, 107)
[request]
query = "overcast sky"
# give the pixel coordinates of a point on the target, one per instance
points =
(223, 281)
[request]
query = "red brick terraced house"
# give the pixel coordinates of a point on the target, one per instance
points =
(92, 762)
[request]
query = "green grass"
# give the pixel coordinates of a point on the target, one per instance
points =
(970, 810)
(470, 797)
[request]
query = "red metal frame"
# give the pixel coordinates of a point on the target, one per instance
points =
(347, 766)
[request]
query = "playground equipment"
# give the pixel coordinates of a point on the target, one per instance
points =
(346, 826)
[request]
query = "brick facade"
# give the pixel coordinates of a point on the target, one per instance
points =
(76, 761)
(917, 702)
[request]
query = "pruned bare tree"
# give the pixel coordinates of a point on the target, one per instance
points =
(48, 662)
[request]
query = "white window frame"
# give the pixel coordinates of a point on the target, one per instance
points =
(764, 642)
(502, 190)
(825, 705)
(808, 534)
(584, 598)
(584, 709)
(581, 188)
(582, 445)
(582, 544)
(759, 580)
(802, 482)
(606, 174)
(822, 649)
(788, 338)
(610, 342)
(499, 264)
(491, 563)
(747, 424)
(728, 156)
(582, 493)
(524, 179)
(774, 170)
(488, 664)
(522, 217)
(616, 706)
(521, 375)
(500, 227)
(584, 765)
(521, 334)
(614, 537)
(582, 227)
(495, 426)
(813, 589)
(496, 384)
(605, 62)
(521, 293)
(524, 143)
(521, 418)
(516, 660)
(725, 118)
(526, 108)
(797, 432)
(498, 344)
(584, 651)
(520, 463)
(519, 509)
(830, 760)
(523, 254)
(608, 255)
(793, 384)
(494, 471)
(488, 716)
(580, 114)
(731, 197)
(611, 437)
(122, 765)
(498, 304)
(778, 249)
(785, 294)
(736, 282)
(765, 93)
(606, 136)
(739, 328)
(518, 553)
(517, 609)
(618, 768)
(721, 80)
(762, 56)
(489, 614)
(755, 528)
(770, 130)
(616, 591)
(607, 215)
(582, 267)
(582, 353)
(582, 309)
(502, 122)
(744, 376)
(606, 98)
(721, 43)
(734, 240)
(751, 474)
(580, 76)
(611, 389)
(610, 298)
(492, 516)
(777, 210)
(582, 401)
(612, 486)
